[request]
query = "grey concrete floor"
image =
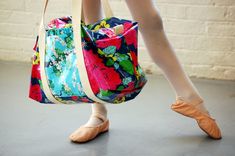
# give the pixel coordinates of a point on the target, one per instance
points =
(143, 127)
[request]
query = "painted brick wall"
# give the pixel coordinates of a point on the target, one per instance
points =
(202, 32)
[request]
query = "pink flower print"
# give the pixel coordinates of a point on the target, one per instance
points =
(74, 98)
(105, 78)
(83, 99)
(131, 37)
(89, 66)
(36, 71)
(134, 60)
(127, 26)
(130, 87)
(108, 31)
(56, 23)
(103, 43)
(35, 92)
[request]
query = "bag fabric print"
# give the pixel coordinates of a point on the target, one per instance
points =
(110, 58)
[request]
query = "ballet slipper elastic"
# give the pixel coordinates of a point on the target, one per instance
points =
(205, 122)
(87, 133)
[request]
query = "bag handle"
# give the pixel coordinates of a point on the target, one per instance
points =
(76, 25)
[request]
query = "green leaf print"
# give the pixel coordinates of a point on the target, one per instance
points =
(66, 89)
(126, 80)
(110, 50)
(83, 33)
(69, 42)
(105, 92)
(120, 88)
(40, 83)
(61, 54)
(51, 85)
(121, 57)
(127, 66)
(116, 65)
(56, 71)
(109, 62)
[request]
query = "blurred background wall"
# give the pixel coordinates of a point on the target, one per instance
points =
(202, 32)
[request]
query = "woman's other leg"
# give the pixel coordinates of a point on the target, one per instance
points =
(161, 51)
(164, 56)
(92, 13)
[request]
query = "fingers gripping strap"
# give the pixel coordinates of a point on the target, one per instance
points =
(76, 24)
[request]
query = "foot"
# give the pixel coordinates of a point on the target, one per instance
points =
(95, 121)
(96, 125)
(202, 116)
(196, 101)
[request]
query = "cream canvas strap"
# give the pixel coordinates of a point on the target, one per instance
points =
(76, 24)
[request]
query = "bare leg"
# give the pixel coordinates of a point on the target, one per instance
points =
(92, 12)
(151, 27)
(164, 56)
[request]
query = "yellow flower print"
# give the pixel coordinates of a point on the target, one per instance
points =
(113, 57)
(137, 74)
(102, 24)
(68, 25)
(100, 52)
(63, 101)
(119, 100)
(37, 59)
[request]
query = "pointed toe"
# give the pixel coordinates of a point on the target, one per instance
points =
(204, 120)
(209, 126)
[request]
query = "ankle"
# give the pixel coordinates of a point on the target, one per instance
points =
(196, 101)
(191, 98)
(99, 109)
(102, 113)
